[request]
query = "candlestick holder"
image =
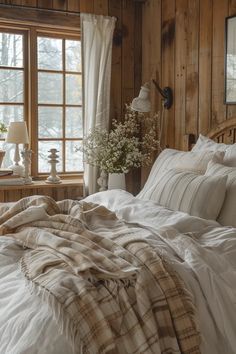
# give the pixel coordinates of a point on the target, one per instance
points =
(26, 157)
(53, 178)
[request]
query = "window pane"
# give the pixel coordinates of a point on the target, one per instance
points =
(11, 85)
(9, 155)
(74, 159)
(10, 114)
(49, 53)
(49, 88)
(11, 49)
(73, 89)
(73, 55)
(43, 152)
(50, 122)
(74, 124)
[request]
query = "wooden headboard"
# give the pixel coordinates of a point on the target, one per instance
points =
(224, 132)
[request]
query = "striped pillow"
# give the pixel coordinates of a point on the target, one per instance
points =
(170, 158)
(227, 214)
(197, 195)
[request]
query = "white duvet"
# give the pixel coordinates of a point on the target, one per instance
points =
(203, 253)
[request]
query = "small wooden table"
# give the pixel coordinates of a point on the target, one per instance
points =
(67, 189)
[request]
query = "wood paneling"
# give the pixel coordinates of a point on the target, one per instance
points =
(151, 58)
(182, 47)
(168, 70)
(71, 189)
(205, 68)
(192, 63)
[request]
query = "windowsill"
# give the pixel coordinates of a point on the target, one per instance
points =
(64, 177)
(42, 184)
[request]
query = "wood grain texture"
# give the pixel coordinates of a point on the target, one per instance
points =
(115, 9)
(192, 63)
(67, 189)
(59, 5)
(225, 132)
(128, 51)
(73, 5)
(41, 16)
(231, 109)
(205, 68)
(192, 67)
(101, 7)
(44, 4)
(180, 72)
(87, 6)
(220, 11)
(151, 58)
(168, 66)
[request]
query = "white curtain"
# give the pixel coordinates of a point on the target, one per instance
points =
(97, 34)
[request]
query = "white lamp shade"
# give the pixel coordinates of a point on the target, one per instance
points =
(17, 133)
(142, 103)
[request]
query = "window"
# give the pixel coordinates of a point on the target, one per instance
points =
(12, 88)
(41, 82)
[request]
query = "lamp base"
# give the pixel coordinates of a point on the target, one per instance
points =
(18, 170)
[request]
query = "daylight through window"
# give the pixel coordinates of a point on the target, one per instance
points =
(41, 82)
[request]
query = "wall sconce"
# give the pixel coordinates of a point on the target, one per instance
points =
(166, 94)
(142, 103)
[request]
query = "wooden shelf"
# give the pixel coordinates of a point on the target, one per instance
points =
(67, 189)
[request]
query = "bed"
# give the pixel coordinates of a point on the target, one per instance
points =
(154, 273)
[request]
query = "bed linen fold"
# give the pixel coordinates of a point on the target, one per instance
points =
(114, 294)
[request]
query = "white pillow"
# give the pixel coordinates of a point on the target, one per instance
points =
(206, 144)
(197, 195)
(227, 214)
(170, 158)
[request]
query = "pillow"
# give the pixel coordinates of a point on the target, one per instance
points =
(169, 158)
(227, 216)
(206, 144)
(197, 195)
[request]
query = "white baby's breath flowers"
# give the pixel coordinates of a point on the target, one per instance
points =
(129, 143)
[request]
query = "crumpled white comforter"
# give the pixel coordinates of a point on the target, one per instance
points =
(203, 253)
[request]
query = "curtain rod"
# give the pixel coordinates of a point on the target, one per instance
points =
(75, 13)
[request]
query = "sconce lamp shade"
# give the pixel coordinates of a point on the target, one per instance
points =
(142, 103)
(17, 133)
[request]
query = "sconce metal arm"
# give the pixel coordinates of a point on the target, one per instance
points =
(166, 93)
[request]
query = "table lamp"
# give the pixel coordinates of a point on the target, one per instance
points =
(17, 134)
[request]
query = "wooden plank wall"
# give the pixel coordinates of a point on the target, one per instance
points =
(127, 52)
(188, 55)
(182, 47)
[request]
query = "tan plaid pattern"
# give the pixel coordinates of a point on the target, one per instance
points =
(109, 298)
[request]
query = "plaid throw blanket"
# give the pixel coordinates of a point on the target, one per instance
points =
(110, 292)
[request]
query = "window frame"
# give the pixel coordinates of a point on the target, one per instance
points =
(30, 32)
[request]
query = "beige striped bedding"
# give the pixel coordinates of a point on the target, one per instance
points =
(109, 290)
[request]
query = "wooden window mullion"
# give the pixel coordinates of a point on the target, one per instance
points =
(64, 105)
(33, 99)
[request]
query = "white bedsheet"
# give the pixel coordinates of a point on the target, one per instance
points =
(26, 325)
(205, 257)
